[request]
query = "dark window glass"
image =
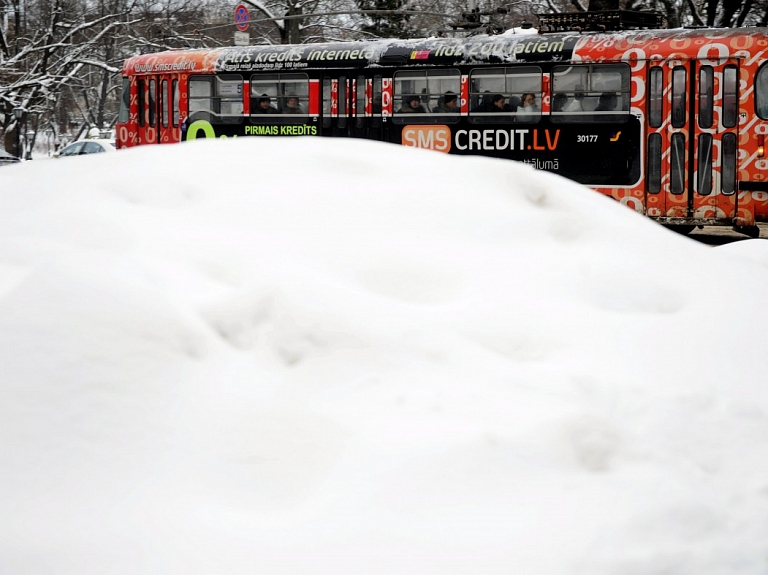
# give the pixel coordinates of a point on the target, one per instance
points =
(376, 103)
(140, 102)
(730, 96)
(327, 102)
(505, 95)
(590, 93)
(654, 163)
(343, 96)
(164, 103)
(200, 99)
(92, 148)
(761, 92)
(706, 96)
(655, 97)
(72, 150)
(360, 102)
(677, 167)
(729, 163)
(279, 98)
(679, 90)
(704, 169)
(125, 102)
(175, 88)
(427, 96)
(151, 103)
(228, 99)
(217, 99)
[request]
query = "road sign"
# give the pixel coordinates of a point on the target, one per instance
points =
(242, 18)
(242, 38)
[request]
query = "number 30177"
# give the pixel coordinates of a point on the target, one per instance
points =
(586, 138)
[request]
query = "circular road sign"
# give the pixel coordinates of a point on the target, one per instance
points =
(242, 18)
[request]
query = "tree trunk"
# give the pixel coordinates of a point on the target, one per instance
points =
(603, 5)
(730, 7)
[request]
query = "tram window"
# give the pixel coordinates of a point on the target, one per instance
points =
(217, 99)
(229, 94)
(279, 98)
(151, 103)
(376, 103)
(595, 93)
(125, 102)
(326, 102)
(654, 163)
(427, 96)
(175, 114)
(729, 163)
(655, 96)
(140, 102)
(677, 161)
(163, 95)
(679, 90)
(730, 96)
(341, 121)
(496, 95)
(360, 103)
(761, 92)
(704, 168)
(706, 96)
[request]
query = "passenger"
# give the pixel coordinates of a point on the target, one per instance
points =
(607, 102)
(449, 104)
(425, 100)
(376, 105)
(292, 106)
(499, 104)
(412, 105)
(559, 102)
(528, 105)
(573, 104)
(264, 106)
(485, 104)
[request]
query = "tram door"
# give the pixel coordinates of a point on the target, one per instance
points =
(158, 109)
(692, 136)
(338, 105)
(351, 106)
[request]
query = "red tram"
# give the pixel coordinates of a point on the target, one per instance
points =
(671, 123)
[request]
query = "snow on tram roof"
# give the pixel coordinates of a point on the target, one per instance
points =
(505, 48)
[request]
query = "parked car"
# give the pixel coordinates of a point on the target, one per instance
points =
(82, 147)
(6, 158)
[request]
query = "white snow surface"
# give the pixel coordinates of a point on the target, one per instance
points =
(313, 356)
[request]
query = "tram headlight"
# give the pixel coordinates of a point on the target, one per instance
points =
(760, 145)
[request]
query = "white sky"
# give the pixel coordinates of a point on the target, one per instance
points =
(313, 356)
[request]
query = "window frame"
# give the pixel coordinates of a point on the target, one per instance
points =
(276, 81)
(679, 97)
(428, 116)
(761, 92)
(655, 96)
(591, 93)
(479, 116)
(140, 102)
(730, 96)
(706, 95)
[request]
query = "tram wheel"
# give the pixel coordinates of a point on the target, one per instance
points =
(682, 229)
(751, 231)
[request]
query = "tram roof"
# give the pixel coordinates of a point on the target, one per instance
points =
(500, 49)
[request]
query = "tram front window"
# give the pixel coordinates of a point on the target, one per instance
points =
(761, 92)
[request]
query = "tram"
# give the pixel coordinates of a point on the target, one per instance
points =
(671, 123)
